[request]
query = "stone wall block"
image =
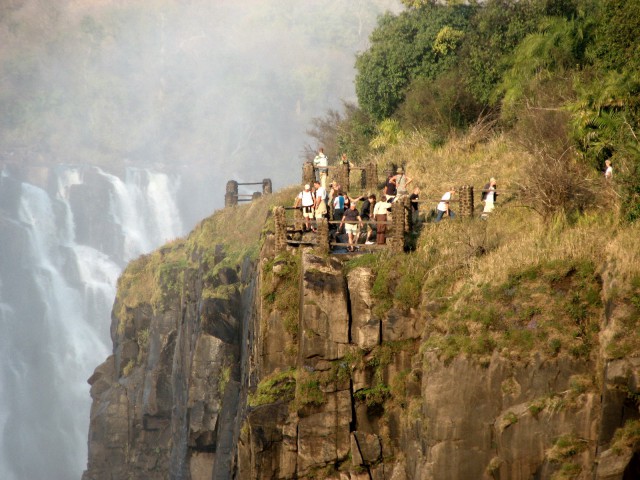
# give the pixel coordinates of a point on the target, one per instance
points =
(365, 330)
(280, 222)
(466, 201)
(308, 173)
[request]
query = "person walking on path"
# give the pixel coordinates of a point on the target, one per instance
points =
(351, 220)
(380, 214)
(401, 181)
(321, 163)
(306, 201)
(488, 198)
(414, 198)
(320, 201)
(443, 206)
(608, 171)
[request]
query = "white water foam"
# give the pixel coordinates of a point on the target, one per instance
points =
(56, 329)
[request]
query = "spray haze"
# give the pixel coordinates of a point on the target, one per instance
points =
(121, 122)
(219, 88)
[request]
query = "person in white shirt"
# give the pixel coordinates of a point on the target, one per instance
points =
(443, 206)
(321, 162)
(381, 215)
(320, 201)
(608, 172)
(489, 197)
(306, 202)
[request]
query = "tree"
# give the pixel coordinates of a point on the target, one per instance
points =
(416, 43)
(493, 34)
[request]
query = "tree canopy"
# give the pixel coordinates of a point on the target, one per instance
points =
(437, 66)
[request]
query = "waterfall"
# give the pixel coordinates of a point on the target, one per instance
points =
(63, 244)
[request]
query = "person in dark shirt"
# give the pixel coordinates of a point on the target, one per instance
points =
(414, 198)
(351, 220)
(390, 189)
(367, 211)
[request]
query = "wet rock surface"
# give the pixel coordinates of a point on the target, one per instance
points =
(360, 400)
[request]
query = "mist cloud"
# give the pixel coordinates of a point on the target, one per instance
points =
(213, 90)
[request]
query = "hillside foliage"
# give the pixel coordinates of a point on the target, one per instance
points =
(560, 77)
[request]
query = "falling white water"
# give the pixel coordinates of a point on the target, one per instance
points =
(145, 208)
(55, 302)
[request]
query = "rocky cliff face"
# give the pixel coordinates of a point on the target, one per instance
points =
(291, 367)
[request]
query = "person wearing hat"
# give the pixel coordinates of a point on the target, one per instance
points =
(305, 200)
(443, 206)
(488, 198)
(401, 181)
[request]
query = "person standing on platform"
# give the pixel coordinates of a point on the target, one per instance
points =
(320, 202)
(401, 181)
(414, 198)
(488, 198)
(351, 220)
(380, 215)
(443, 206)
(321, 163)
(305, 201)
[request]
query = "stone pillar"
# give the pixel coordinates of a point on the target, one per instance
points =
(256, 195)
(371, 177)
(396, 242)
(466, 201)
(308, 173)
(280, 222)
(323, 236)
(266, 186)
(231, 196)
(341, 176)
(298, 219)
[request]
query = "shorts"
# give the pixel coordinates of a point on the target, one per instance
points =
(321, 211)
(307, 212)
(351, 228)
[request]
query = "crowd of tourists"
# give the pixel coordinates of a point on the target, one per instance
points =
(334, 203)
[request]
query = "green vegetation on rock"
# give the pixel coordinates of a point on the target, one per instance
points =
(552, 307)
(279, 386)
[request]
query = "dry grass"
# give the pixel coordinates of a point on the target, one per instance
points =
(434, 170)
(622, 253)
(152, 278)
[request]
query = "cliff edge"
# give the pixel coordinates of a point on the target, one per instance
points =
(233, 360)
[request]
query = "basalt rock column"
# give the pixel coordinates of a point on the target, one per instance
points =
(341, 175)
(371, 177)
(231, 196)
(323, 236)
(308, 173)
(396, 240)
(280, 221)
(466, 201)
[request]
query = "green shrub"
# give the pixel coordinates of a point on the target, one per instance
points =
(279, 386)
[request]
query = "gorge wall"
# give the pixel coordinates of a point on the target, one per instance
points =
(257, 364)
